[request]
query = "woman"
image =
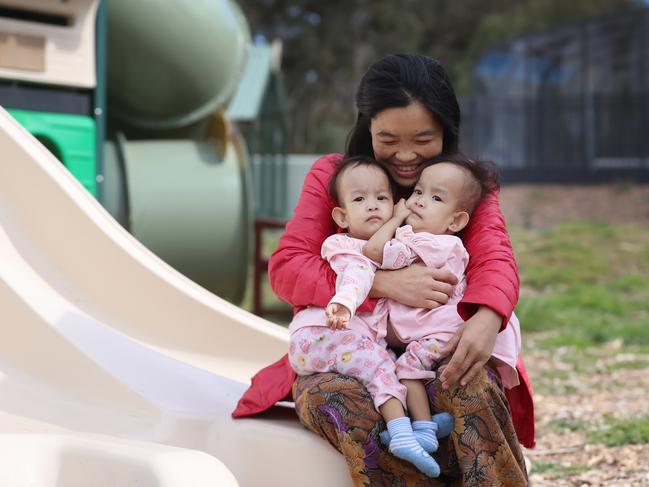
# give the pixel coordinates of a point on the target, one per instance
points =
(408, 113)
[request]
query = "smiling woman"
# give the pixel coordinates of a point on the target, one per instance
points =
(403, 138)
(407, 114)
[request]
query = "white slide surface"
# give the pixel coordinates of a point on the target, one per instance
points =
(109, 357)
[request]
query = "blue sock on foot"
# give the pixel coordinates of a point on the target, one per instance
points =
(445, 424)
(426, 434)
(403, 444)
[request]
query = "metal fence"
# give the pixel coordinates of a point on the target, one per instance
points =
(567, 105)
(561, 139)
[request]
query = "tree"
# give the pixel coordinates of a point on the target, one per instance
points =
(328, 45)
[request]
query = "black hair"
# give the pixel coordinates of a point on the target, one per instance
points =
(484, 177)
(397, 81)
(355, 161)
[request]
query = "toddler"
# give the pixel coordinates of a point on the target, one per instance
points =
(440, 206)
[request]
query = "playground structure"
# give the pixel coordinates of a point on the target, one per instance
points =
(116, 368)
(139, 118)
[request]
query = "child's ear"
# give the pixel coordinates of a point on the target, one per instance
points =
(340, 217)
(460, 220)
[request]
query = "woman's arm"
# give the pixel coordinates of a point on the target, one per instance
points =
(471, 346)
(297, 272)
(416, 285)
(492, 274)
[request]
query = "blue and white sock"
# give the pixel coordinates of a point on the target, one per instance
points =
(445, 424)
(426, 434)
(403, 444)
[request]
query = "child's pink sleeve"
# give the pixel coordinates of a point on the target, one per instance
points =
(438, 251)
(354, 271)
(397, 255)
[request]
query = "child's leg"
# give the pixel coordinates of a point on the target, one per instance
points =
(424, 428)
(417, 400)
(358, 356)
(413, 366)
(403, 444)
(305, 351)
(317, 349)
(392, 409)
(419, 360)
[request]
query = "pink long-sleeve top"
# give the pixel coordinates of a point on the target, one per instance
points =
(301, 277)
(443, 252)
(355, 274)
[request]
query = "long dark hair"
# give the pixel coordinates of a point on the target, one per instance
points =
(396, 81)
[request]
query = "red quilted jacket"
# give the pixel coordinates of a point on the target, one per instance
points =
(299, 276)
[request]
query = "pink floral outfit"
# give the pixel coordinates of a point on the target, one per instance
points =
(360, 350)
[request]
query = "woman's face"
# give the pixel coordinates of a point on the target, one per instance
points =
(403, 138)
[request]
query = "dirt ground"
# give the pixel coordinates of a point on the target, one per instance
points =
(564, 457)
(534, 206)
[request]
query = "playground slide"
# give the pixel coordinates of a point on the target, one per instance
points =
(107, 350)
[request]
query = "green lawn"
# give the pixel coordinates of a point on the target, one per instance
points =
(587, 282)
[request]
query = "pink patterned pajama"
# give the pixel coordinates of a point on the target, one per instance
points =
(419, 360)
(315, 349)
(361, 351)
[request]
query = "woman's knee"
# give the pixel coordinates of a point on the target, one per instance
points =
(336, 391)
(327, 383)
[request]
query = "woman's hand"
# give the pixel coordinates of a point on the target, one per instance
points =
(472, 346)
(417, 286)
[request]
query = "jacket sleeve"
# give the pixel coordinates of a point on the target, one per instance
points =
(297, 272)
(492, 274)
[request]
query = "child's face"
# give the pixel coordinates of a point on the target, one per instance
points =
(435, 201)
(366, 201)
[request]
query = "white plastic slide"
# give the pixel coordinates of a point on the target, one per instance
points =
(112, 362)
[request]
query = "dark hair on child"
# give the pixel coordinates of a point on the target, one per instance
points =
(485, 177)
(355, 161)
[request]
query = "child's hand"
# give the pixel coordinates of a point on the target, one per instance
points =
(337, 316)
(401, 211)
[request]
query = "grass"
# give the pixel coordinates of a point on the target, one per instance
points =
(556, 469)
(618, 432)
(614, 431)
(589, 282)
(635, 364)
(576, 425)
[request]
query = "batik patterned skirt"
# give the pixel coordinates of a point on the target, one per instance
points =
(483, 449)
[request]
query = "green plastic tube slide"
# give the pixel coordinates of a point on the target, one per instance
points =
(172, 63)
